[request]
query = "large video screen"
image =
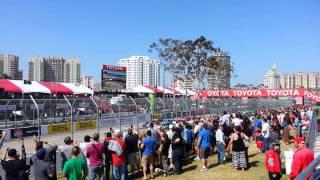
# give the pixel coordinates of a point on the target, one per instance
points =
(113, 78)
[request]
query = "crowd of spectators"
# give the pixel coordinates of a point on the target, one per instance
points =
(162, 150)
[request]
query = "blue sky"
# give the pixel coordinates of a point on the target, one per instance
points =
(255, 33)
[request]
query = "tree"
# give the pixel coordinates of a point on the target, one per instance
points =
(186, 59)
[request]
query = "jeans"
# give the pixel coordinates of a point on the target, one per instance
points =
(107, 171)
(164, 163)
(177, 161)
(266, 144)
(220, 149)
(96, 171)
(119, 172)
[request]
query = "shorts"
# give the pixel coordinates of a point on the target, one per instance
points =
(204, 153)
(147, 160)
(133, 158)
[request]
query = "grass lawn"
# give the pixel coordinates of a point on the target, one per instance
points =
(257, 170)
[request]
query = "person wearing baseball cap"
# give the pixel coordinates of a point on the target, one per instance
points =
(302, 157)
(273, 161)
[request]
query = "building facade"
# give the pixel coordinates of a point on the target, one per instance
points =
(72, 71)
(141, 70)
(300, 80)
(186, 83)
(272, 78)
(219, 79)
(54, 69)
(9, 65)
(87, 81)
(36, 68)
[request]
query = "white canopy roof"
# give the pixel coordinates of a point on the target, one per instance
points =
(34, 87)
(78, 88)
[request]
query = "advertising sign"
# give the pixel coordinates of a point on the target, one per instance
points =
(59, 128)
(125, 120)
(24, 132)
(113, 78)
(83, 125)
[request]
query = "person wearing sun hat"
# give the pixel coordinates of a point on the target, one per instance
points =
(302, 157)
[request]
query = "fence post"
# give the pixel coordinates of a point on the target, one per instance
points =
(98, 122)
(38, 116)
(71, 115)
(137, 123)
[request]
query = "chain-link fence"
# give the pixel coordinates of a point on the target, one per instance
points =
(22, 112)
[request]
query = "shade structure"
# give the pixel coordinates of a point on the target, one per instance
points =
(78, 88)
(33, 87)
(10, 87)
(145, 89)
(57, 88)
(170, 90)
(27, 87)
(184, 92)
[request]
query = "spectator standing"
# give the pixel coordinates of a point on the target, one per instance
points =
(66, 150)
(205, 146)
(220, 143)
(95, 154)
(177, 151)
(75, 168)
(238, 148)
(14, 167)
(108, 155)
(188, 139)
(119, 160)
(84, 145)
(285, 125)
(41, 169)
(148, 146)
(133, 151)
(273, 162)
(170, 135)
(305, 125)
(266, 134)
(274, 136)
(165, 145)
(302, 157)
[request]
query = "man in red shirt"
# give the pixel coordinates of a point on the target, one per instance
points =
(273, 163)
(301, 159)
(119, 162)
(95, 154)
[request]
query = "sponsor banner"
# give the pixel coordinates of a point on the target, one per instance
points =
(125, 120)
(253, 93)
(59, 128)
(8, 107)
(24, 132)
(312, 96)
(82, 125)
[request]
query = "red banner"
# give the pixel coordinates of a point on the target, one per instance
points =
(253, 93)
(258, 93)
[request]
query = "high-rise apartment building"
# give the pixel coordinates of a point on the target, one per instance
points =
(300, 79)
(36, 68)
(54, 69)
(72, 71)
(87, 81)
(219, 79)
(141, 70)
(186, 83)
(272, 78)
(9, 65)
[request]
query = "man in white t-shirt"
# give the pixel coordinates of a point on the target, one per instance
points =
(237, 121)
(266, 134)
(83, 146)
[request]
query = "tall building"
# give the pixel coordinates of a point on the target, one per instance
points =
(219, 79)
(55, 69)
(300, 79)
(272, 78)
(87, 81)
(9, 65)
(141, 70)
(36, 68)
(72, 71)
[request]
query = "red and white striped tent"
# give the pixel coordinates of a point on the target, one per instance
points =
(20, 87)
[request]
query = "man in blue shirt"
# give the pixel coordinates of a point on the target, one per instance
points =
(257, 124)
(148, 146)
(204, 144)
